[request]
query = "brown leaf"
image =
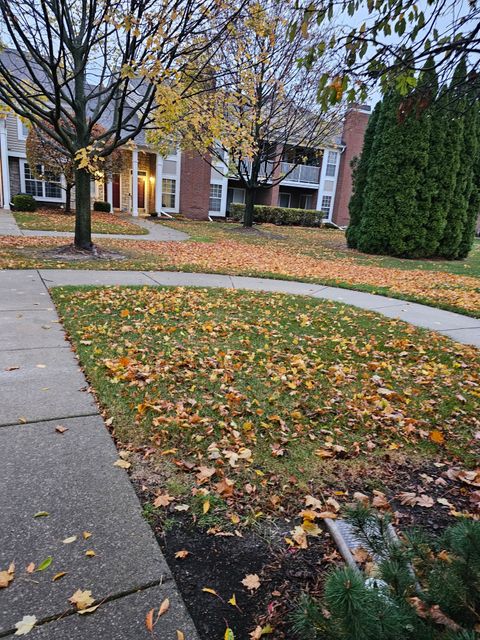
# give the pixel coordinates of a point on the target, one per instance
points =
(123, 464)
(180, 555)
(163, 500)
(380, 501)
(61, 429)
(149, 620)
(251, 581)
(204, 473)
(164, 607)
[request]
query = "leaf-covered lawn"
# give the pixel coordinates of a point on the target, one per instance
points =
(312, 255)
(51, 220)
(247, 399)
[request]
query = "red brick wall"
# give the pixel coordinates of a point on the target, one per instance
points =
(194, 186)
(353, 134)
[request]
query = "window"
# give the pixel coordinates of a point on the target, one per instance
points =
(306, 201)
(326, 204)
(238, 195)
(331, 163)
(168, 193)
(48, 189)
(283, 199)
(215, 197)
(22, 130)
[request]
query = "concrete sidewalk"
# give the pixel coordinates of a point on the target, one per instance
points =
(458, 327)
(156, 232)
(72, 477)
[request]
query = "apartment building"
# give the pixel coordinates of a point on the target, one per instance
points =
(184, 182)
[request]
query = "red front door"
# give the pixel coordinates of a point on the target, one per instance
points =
(141, 192)
(116, 190)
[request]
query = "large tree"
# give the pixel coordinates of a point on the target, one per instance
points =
(264, 105)
(389, 41)
(76, 63)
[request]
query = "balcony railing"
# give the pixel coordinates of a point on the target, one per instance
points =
(301, 173)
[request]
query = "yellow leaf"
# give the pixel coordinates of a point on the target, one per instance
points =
(124, 313)
(233, 601)
(90, 553)
(89, 610)
(437, 436)
(206, 506)
(123, 464)
(86, 535)
(59, 575)
(164, 607)
(180, 635)
(208, 590)
(82, 599)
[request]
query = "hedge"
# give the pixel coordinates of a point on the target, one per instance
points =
(280, 215)
(99, 205)
(24, 202)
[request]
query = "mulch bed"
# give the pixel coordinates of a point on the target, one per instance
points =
(221, 562)
(71, 253)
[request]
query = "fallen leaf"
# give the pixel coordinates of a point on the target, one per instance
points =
(180, 555)
(69, 540)
(233, 601)
(164, 607)
(425, 501)
(123, 464)
(206, 506)
(228, 634)
(149, 620)
(90, 553)
(89, 609)
(59, 575)
(25, 625)
(5, 578)
(408, 498)
(86, 535)
(212, 591)
(61, 429)
(259, 632)
(30, 567)
(204, 473)
(82, 599)
(41, 514)
(45, 564)
(251, 581)
(163, 500)
(436, 436)
(380, 501)
(180, 635)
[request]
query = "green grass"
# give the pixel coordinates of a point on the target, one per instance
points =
(196, 375)
(51, 220)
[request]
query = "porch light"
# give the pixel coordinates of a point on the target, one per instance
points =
(152, 179)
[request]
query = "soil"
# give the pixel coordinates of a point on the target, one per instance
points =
(71, 253)
(255, 231)
(220, 562)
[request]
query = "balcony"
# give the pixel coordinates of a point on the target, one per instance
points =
(301, 174)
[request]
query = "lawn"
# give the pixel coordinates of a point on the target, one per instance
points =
(230, 408)
(310, 255)
(52, 220)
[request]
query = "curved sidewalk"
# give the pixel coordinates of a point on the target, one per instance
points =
(458, 327)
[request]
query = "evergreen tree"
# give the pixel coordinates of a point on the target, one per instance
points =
(458, 138)
(391, 222)
(472, 147)
(359, 176)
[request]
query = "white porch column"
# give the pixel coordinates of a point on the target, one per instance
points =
(135, 182)
(110, 193)
(158, 183)
(4, 166)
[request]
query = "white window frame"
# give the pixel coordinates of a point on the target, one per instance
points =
(218, 198)
(175, 190)
(41, 198)
(307, 196)
(20, 132)
(326, 208)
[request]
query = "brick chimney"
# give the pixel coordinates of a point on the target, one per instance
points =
(354, 127)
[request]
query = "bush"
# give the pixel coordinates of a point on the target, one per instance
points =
(280, 215)
(99, 205)
(423, 588)
(24, 202)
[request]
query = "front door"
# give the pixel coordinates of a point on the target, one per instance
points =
(141, 192)
(116, 190)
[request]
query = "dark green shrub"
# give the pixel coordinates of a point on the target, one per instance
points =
(440, 601)
(280, 215)
(99, 205)
(24, 202)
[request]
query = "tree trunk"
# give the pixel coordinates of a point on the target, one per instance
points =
(249, 202)
(68, 199)
(83, 228)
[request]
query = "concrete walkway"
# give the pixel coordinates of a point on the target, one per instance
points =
(156, 232)
(70, 476)
(458, 327)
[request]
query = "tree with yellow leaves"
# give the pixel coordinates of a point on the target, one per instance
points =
(70, 66)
